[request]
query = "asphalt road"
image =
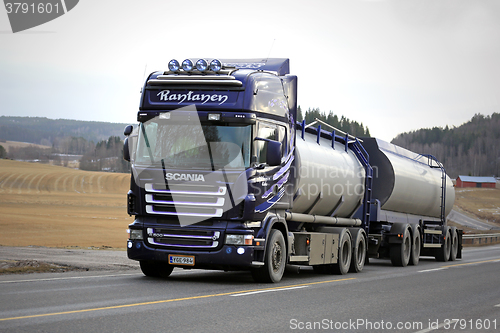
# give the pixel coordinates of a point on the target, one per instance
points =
(382, 298)
(470, 222)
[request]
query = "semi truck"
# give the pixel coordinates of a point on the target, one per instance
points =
(223, 176)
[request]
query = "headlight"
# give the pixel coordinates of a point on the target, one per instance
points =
(135, 234)
(187, 65)
(239, 239)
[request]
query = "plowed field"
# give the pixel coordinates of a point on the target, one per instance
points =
(53, 206)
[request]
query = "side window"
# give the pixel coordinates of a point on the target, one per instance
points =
(283, 139)
(272, 132)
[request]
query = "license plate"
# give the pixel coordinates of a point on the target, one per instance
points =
(181, 260)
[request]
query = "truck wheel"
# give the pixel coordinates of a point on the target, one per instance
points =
(275, 259)
(358, 252)
(454, 244)
(415, 248)
(156, 269)
(344, 256)
(443, 253)
(400, 253)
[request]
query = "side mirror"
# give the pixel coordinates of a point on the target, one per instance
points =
(126, 151)
(273, 155)
(273, 151)
(128, 130)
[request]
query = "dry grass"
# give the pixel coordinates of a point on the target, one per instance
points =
(482, 203)
(53, 206)
(15, 144)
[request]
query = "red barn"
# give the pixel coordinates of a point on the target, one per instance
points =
(468, 181)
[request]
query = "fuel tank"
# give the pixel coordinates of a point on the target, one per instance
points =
(407, 182)
(329, 181)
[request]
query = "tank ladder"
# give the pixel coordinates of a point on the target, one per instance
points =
(433, 230)
(353, 143)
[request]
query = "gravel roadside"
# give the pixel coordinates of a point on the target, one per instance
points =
(72, 259)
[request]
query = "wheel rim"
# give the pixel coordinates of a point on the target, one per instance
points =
(406, 247)
(361, 253)
(277, 257)
(417, 246)
(454, 245)
(345, 253)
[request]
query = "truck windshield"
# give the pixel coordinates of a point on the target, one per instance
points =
(194, 145)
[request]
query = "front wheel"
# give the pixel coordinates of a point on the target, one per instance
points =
(275, 259)
(156, 269)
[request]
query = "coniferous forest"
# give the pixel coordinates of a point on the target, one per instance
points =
(470, 149)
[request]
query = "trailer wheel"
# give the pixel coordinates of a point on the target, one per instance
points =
(400, 253)
(156, 269)
(415, 248)
(443, 253)
(358, 252)
(454, 244)
(275, 259)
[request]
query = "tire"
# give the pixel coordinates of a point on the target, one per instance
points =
(415, 248)
(443, 253)
(275, 259)
(400, 253)
(156, 269)
(359, 249)
(454, 244)
(344, 254)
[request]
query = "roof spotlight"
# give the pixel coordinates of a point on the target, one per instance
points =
(173, 65)
(215, 65)
(187, 65)
(201, 65)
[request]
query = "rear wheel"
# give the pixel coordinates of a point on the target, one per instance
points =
(443, 253)
(415, 248)
(400, 253)
(358, 252)
(454, 244)
(155, 268)
(345, 252)
(275, 259)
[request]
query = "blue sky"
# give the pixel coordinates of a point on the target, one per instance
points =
(393, 65)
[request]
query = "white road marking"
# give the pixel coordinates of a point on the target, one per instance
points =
(498, 305)
(266, 291)
(433, 328)
(433, 269)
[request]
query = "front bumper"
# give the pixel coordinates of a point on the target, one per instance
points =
(229, 257)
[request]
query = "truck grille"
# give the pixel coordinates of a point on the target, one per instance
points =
(186, 238)
(192, 200)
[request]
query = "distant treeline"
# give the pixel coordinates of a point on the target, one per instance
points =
(470, 149)
(100, 144)
(50, 132)
(344, 124)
